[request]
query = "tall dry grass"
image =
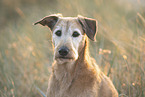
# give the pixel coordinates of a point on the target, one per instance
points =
(26, 52)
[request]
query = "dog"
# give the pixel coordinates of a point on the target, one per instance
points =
(74, 72)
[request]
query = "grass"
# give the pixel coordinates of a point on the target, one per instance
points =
(26, 52)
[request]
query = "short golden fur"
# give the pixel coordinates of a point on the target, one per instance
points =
(82, 79)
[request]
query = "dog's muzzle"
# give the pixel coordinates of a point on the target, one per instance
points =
(63, 53)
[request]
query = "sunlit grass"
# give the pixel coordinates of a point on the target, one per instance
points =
(26, 52)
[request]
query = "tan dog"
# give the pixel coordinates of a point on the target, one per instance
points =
(74, 72)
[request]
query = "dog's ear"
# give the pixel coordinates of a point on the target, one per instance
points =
(49, 21)
(90, 26)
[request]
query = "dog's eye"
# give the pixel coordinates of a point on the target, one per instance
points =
(75, 34)
(58, 33)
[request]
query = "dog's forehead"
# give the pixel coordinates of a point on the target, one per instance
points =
(68, 22)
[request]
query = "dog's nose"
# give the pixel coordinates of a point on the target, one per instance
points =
(63, 51)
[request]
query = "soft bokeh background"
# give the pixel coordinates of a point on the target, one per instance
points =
(26, 52)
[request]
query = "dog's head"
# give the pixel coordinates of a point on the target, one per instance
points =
(69, 35)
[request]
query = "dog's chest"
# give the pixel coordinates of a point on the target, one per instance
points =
(76, 87)
(63, 86)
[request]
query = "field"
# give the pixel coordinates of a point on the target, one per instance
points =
(26, 52)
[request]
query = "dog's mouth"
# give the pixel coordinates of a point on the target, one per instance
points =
(65, 58)
(62, 60)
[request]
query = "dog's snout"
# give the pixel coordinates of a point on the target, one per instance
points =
(63, 51)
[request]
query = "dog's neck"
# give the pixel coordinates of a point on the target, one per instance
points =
(83, 54)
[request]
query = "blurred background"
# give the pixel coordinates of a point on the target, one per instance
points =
(26, 52)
